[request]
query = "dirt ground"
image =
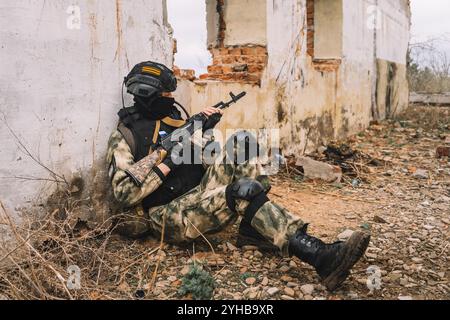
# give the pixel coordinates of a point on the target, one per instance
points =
(403, 201)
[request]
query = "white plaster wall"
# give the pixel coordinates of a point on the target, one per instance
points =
(60, 88)
(393, 34)
(358, 35)
(212, 23)
(387, 21)
(246, 22)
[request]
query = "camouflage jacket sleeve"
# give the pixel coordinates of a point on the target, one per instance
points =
(120, 159)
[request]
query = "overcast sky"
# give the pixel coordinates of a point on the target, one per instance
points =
(430, 18)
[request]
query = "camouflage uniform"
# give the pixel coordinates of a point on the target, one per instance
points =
(201, 210)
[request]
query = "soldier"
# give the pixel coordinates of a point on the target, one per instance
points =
(187, 200)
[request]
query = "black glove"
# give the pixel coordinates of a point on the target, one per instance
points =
(212, 121)
(169, 160)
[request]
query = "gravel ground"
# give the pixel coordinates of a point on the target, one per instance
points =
(402, 199)
(405, 204)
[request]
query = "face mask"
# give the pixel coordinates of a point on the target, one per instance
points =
(155, 108)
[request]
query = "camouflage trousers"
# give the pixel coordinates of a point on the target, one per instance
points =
(204, 210)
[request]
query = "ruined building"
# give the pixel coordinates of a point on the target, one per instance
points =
(315, 69)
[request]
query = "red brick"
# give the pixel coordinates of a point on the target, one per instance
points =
(249, 51)
(227, 69)
(260, 51)
(215, 69)
(255, 68)
(261, 59)
(187, 74)
(224, 51)
(215, 52)
(256, 78)
(175, 46)
(226, 77)
(228, 59)
(236, 51)
(176, 71)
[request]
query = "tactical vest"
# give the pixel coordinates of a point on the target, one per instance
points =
(142, 135)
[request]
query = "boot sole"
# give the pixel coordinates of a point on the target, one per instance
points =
(355, 248)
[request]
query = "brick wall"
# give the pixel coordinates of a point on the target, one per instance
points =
(235, 63)
(310, 27)
(239, 63)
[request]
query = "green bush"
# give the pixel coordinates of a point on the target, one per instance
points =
(199, 283)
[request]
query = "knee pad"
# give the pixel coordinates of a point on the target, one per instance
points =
(249, 190)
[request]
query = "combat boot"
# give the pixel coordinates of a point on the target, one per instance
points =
(331, 261)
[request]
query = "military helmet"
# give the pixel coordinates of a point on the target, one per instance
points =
(148, 78)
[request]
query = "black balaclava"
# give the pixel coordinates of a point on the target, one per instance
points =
(156, 107)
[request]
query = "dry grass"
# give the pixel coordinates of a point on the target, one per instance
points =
(34, 264)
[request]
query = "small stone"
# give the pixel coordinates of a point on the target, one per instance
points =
(345, 235)
(284, 268)
(379, 219)
(253, 295)
(292, 264)
(258, 254)
(272, 291)
(404, 298)
(394, 277)
(420, 174)
(286, 278)
(231, 247)
(426, 203)
(265, 281)
(249, 248)
(289, 291)
(172, 279)
(286, 297)
(307, 289)
(353, 295)
(321, 149)
(237, 296)
(371, 255)
(185, 270)
(250, 281)
(291, 284)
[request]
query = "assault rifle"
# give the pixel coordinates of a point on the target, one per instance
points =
(167, 143)
(140, 170)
